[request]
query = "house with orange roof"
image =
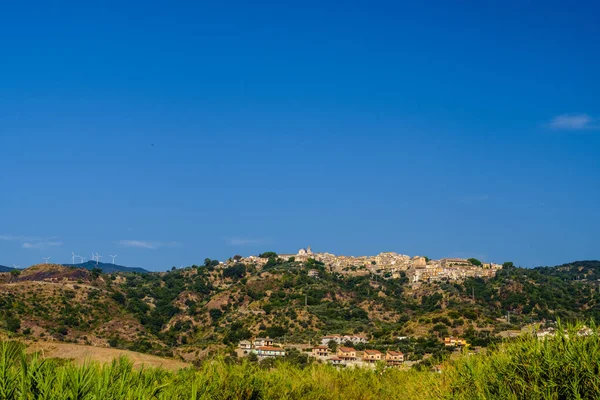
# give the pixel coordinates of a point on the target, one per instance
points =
(320, 351)
(394, 357)
(372, 356)
(346, 353)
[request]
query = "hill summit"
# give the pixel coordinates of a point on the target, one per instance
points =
(4, 268)
(107, 268)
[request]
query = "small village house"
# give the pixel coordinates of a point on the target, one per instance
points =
(331, 338)
(246, 346)
(341, 339)
(356, 339)
(313, 273)
(270, 351)
(371, 356)
(260, 342)
(320, 351)
(394, 357)
(336, 361)
(454, 342)
(346, 353)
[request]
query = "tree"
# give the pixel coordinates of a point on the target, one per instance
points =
(275, 331)
(295, 357)
(267, 308)
(268, 254)
(215, 314)
(332, 344)
(95, 272)
(210, 263)
(508, 265)
(235, 271)
(13, 324)
(474, 261)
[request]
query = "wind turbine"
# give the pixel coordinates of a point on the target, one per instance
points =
(113, 257)
(98, 257)
(46, 259)
(73, 258)
(82, 258)
(16, 266)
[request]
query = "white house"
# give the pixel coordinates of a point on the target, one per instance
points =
(260, 342)
(269, 351)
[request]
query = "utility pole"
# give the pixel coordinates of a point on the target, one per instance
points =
(508, 317)
(306, 300)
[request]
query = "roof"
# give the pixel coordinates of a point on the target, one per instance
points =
(346, 349)
(395, 353)
(244, 342)
(335, 359)
(321, 348)
(372, 352)
(270, 348)
(260, 338)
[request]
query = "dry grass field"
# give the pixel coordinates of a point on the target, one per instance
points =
(80, 354)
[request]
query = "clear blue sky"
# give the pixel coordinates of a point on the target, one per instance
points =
(167, 132)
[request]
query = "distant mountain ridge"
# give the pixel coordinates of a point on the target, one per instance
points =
(107, 268)
(4, 268)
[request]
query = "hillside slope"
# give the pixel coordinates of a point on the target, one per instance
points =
(195, 310)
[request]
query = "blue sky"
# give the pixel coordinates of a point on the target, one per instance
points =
(167, 133)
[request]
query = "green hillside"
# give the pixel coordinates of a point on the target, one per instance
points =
(190, 311)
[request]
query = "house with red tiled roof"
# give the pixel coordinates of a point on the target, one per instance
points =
(346, 353)
(394, 357)
(371, 356)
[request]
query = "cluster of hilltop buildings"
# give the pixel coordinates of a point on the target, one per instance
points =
(418, 269)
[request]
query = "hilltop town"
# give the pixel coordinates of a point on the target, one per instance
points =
(418, 269)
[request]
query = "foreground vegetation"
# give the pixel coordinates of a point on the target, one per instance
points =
(566, 366)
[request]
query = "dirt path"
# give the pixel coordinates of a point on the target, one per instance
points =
(81, 353)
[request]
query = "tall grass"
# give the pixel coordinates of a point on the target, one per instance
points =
(564, 367)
